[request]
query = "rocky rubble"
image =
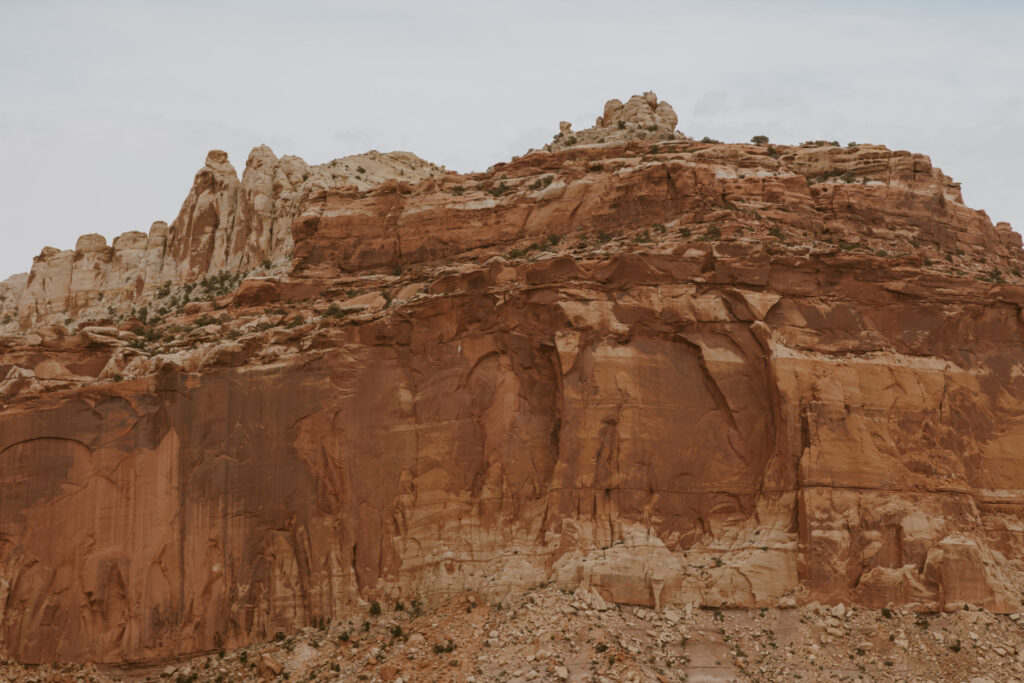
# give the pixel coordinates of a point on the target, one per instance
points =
(546, 634)
(671, 378)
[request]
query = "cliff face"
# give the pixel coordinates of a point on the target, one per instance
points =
(668, 371)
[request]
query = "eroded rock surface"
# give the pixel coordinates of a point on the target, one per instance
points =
(660, 372)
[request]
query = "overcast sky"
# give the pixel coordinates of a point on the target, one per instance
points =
(107, 109)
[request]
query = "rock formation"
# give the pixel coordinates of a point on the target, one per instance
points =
(225, 225)
(660, 371)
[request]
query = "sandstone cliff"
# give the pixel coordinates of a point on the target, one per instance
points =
(664, 371)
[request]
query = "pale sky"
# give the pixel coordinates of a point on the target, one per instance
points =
(107, 109)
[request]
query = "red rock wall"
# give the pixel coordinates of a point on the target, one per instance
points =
(807, 404)
(606, 425)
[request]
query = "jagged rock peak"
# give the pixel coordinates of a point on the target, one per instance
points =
(641, 110)
(217, 157)
(642, 116)
(225, 223)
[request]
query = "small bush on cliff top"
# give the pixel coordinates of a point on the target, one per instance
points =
(759, 139)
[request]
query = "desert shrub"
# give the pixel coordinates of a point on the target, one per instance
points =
(499, 189)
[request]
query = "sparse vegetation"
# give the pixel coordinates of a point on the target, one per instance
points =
(499, 189)
(712, 233)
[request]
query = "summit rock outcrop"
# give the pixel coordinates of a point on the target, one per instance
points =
(662, 372)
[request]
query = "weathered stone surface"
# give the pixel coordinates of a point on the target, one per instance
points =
(719, 375)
